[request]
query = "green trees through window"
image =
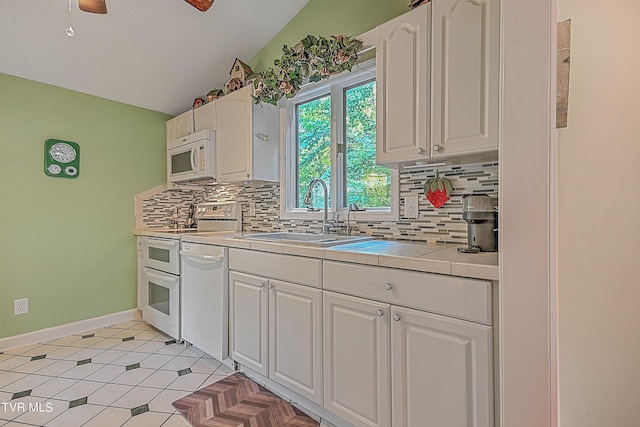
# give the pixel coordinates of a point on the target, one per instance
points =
(366, 184)
(314, 146)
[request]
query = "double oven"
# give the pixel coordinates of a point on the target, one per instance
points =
(159, 283)
(182, 287)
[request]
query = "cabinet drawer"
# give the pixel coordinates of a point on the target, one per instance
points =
(459, 297)
(291, 268)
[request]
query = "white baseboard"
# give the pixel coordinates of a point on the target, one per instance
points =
(55, 332)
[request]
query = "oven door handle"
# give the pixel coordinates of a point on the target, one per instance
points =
(159, 276)
(161, 242)
(211, 258)
(194, 153)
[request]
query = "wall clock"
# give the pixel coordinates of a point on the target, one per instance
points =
(61, 158)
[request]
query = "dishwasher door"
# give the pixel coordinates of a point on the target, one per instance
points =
(204, 297)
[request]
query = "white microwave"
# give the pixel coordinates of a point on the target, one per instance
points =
(192, 157)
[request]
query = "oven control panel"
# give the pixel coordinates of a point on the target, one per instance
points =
(219, 216)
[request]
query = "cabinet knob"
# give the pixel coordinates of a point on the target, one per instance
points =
(396, 317)
(246, 175)
(436, 148)
(419, 150)
(262, 285)
(270, 285)
(388, 286)
(380, 312)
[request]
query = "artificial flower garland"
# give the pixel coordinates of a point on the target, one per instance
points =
(312, 59)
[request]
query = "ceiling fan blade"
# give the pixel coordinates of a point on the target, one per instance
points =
(93, 6)
(201, 5)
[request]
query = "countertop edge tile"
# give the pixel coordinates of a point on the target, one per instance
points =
(306, 251)
(488, 272)
(416, 264)
(277, 248)
(351, 256)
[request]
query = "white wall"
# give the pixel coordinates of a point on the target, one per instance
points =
(599, 219)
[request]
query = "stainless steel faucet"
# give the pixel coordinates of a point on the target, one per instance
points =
(326, 224)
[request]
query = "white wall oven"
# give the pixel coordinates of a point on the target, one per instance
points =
(159, 287)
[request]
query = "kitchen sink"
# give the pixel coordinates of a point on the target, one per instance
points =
(308, 239)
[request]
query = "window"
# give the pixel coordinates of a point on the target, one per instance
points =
(331, 135)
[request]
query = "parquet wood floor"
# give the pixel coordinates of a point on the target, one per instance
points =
(240, 402)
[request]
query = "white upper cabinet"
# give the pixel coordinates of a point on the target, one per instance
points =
(437, 82)
(466, 58)
(179, 126)
(247, 138)
(402, 85)
(204, 117)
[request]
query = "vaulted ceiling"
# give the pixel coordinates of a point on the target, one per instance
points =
(156, 54)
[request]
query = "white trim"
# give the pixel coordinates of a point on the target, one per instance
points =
(526, 257)
(60, 331)
(553, 229)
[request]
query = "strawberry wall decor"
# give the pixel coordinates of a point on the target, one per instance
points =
(438, 190)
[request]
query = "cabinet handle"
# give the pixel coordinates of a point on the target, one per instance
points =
(262, 285)
(436, 148)
(270, 286)
(380, 312)
(388, 286)
(246, 175)
(396, 317)
(419, 150)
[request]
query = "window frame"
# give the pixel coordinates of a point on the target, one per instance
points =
(336, 87)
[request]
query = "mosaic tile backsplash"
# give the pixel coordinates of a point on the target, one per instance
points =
(444, 225)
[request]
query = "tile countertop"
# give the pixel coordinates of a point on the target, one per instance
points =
(427, 257)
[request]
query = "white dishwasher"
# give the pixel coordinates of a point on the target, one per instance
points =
(204, 298)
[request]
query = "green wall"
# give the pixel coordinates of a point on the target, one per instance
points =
(68, 244)
(327, 18)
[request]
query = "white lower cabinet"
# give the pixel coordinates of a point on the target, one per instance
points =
(248, 320)
(276, 325)
(355, 349)
(390, 365)
(356, 354)
(441, 371)
(295, 338)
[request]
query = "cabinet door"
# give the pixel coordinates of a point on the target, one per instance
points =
(248, 320)
(356, 359)
(204, 117)
(466, 49)
(402, 87)
(295, 338)
(233, 135)
(442, 371)
(179, 126)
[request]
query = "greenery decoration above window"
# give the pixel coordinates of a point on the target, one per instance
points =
(312, 59)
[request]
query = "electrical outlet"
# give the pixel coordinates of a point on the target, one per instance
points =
(21, 306)
(252, 208)
(411, 207)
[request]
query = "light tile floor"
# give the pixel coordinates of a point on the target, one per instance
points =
(123, 375)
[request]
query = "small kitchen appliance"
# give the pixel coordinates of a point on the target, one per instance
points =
(480, 212)
(192, 158)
